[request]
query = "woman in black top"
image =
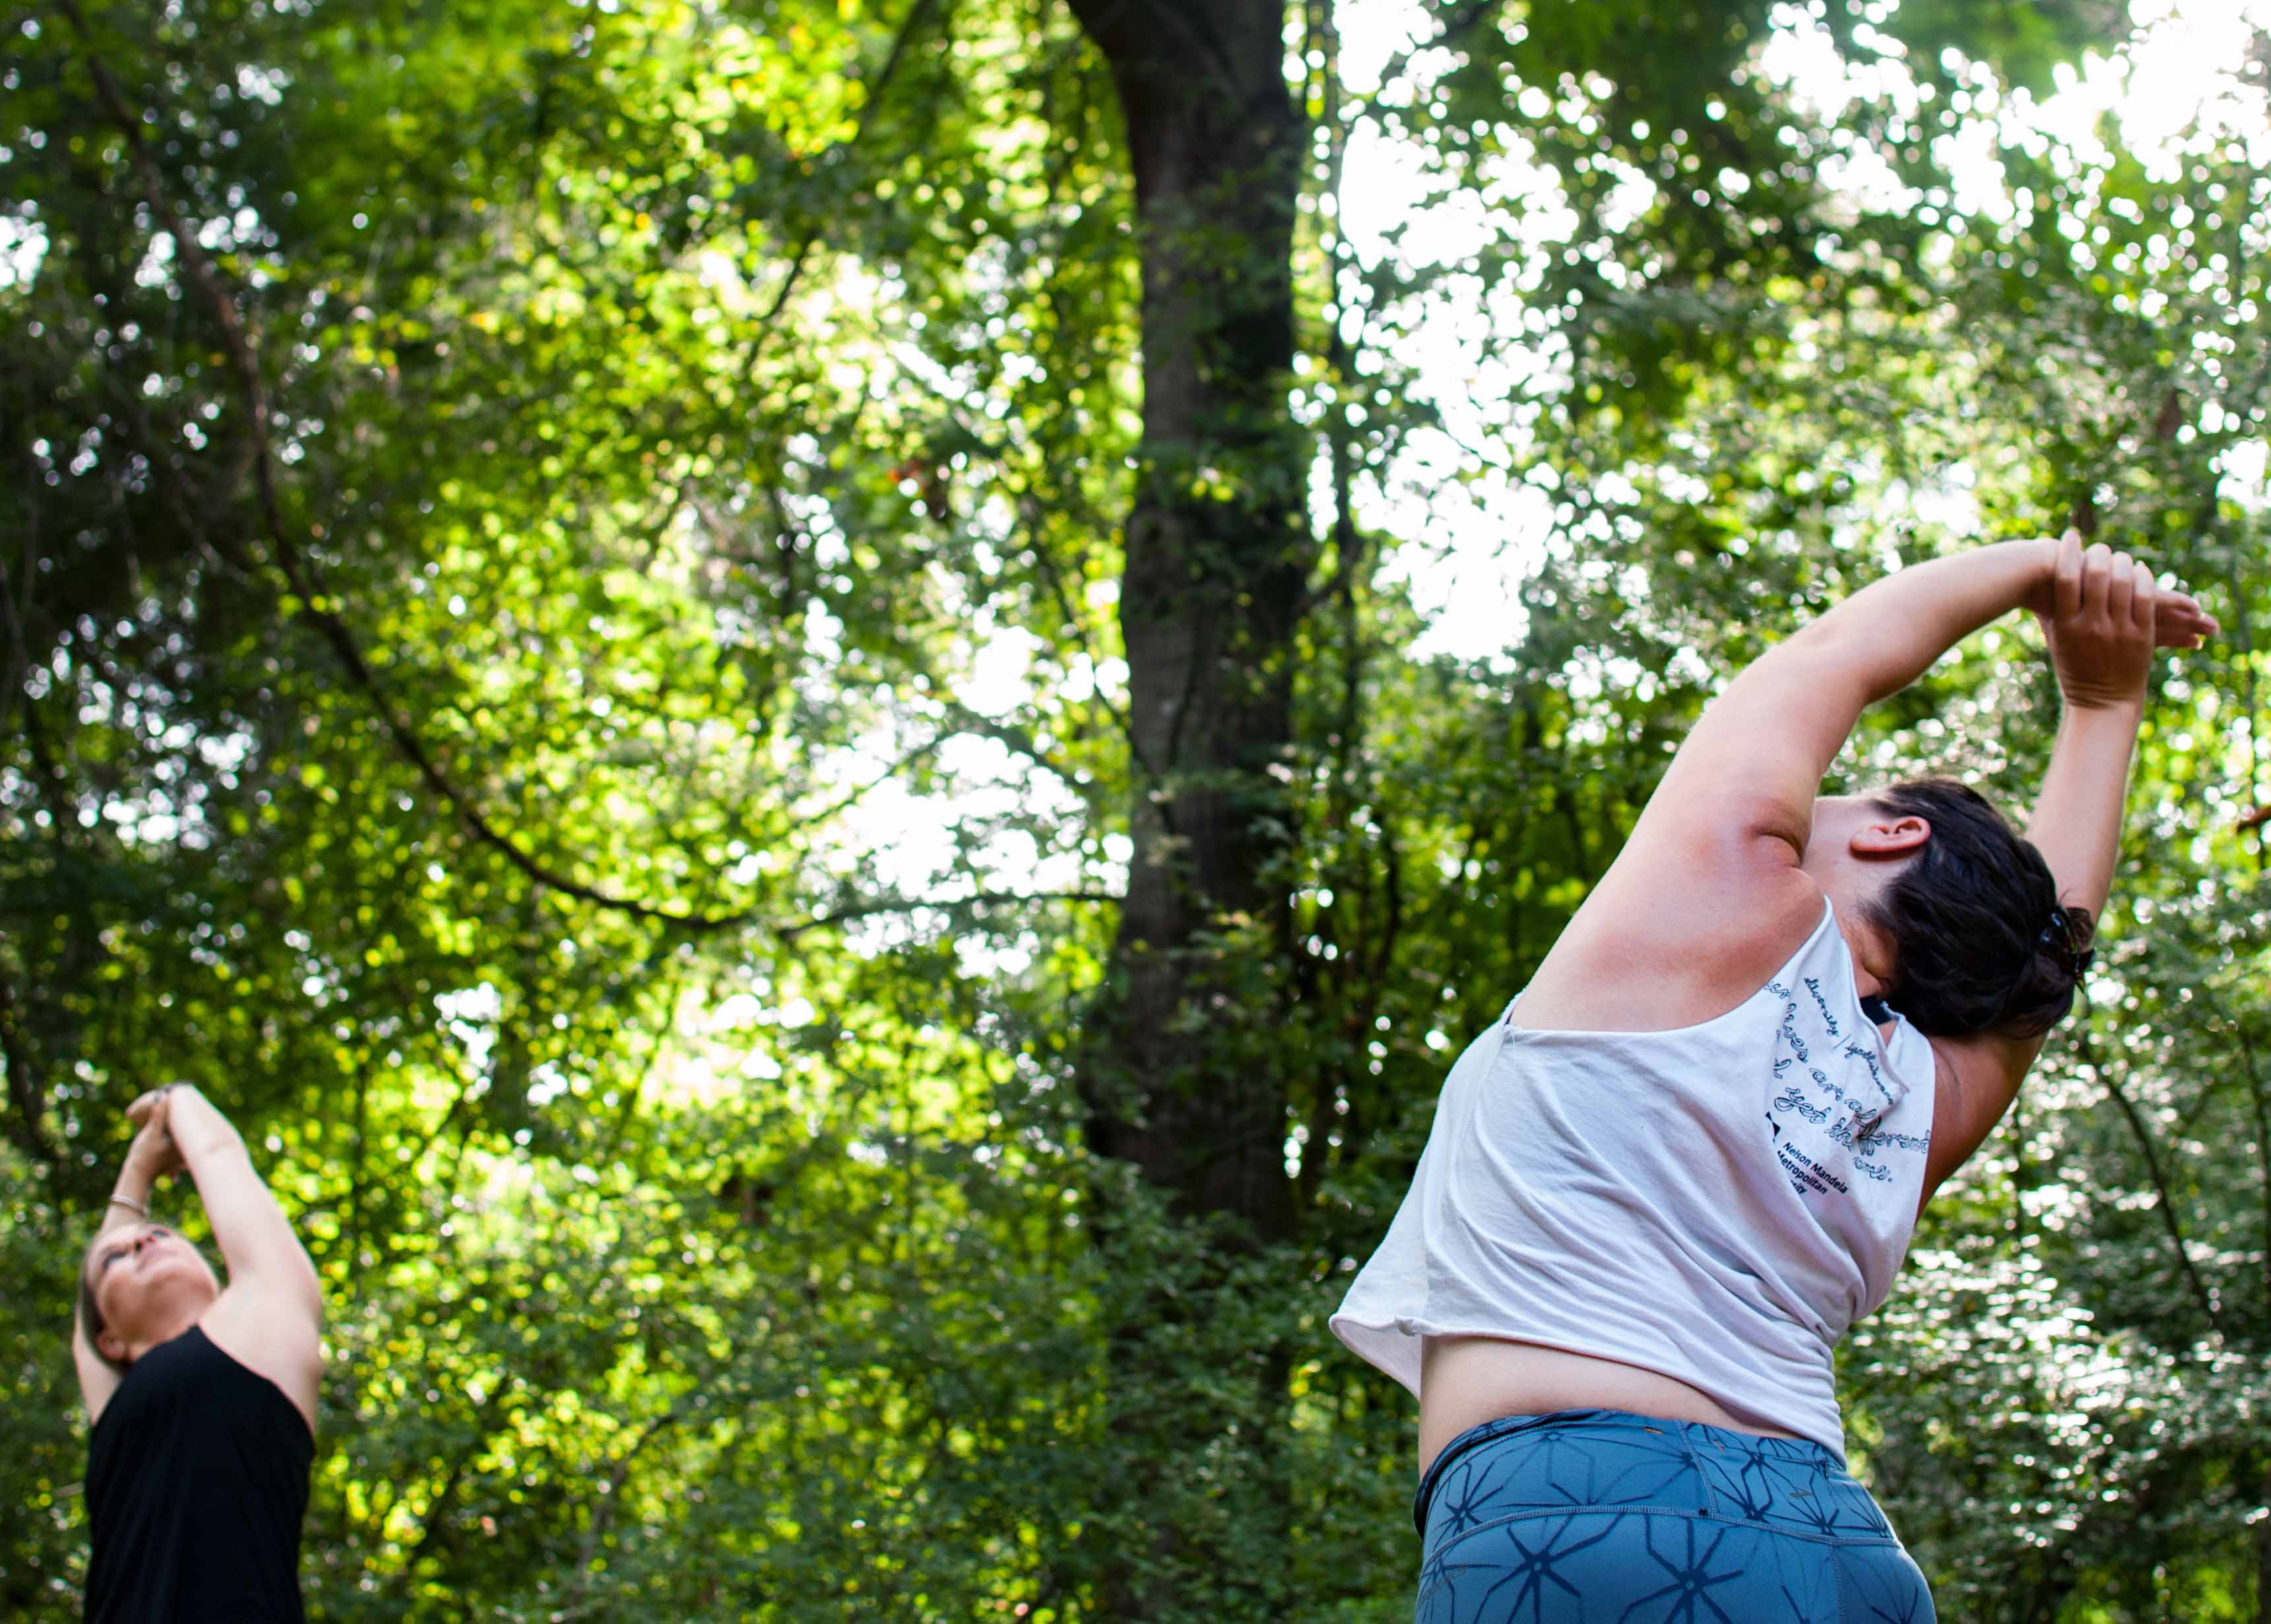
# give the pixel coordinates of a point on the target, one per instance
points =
(202, 1396)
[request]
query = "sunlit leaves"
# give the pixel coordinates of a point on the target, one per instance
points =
(715, 423)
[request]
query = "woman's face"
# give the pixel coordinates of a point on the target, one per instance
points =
(148, 1284)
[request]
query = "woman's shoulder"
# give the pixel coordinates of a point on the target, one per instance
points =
(281, 1350)
(1642, 960)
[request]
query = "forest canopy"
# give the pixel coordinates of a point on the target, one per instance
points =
(825, 714)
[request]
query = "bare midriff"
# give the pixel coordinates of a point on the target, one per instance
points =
(1466, 1381)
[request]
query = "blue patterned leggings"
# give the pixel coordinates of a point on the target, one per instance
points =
(1594, 1517)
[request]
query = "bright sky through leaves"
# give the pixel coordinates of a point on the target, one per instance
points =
(1466, 547)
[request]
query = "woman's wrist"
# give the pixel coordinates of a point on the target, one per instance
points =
(2117, 700)
(2041, 553)
(129, 1196)
(2115, 709)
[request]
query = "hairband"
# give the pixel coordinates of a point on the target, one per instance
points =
(2056, 939)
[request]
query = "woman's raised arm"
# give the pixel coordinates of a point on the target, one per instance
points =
(271, 1317)
(2103, 619)
(150, 1158)
(1707, 896)
(256, 1239)
(1754, 761)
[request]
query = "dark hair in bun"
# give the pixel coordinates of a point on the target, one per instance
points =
(1981, 943)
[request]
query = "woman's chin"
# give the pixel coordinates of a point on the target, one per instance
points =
(172, 1298)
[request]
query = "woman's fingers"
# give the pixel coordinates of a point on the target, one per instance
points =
(2144, 595)
(148, 1111)
(2179, 622)
(2097, 563)
(2112, 587)
(2066, 581)
(2108, 590)
(2120, 589)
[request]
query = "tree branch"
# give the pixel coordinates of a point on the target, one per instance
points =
(301, 576)
(27, 1094)
(603, 1514)
(917, 14)
(2167, 1205)
(436, 1509)
(908, 905)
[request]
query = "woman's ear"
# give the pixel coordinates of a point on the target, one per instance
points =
(1890, 837)
(112, 1347)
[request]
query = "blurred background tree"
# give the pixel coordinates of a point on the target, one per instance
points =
(826, 714)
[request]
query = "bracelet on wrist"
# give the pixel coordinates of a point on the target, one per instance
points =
(140, 1209)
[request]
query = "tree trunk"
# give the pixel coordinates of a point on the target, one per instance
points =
(1218, 554)
(1188, 1079)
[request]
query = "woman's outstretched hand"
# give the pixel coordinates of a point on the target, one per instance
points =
(2103, 615)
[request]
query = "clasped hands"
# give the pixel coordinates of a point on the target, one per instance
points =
(153, 1150)
(2104, 615)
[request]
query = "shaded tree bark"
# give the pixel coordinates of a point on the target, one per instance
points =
(1185, 1079)
(1218, 554)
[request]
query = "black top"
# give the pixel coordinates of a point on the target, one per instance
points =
(197, 1479)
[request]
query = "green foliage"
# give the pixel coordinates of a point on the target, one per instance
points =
(710, 424)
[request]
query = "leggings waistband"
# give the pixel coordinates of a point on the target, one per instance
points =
(1705, 1445)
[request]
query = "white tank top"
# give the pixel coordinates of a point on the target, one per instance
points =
(1718, 1202)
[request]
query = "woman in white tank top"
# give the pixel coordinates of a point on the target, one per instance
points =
(1660, 1189)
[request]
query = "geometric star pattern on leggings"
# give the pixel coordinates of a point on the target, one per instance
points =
(1597, 1518)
